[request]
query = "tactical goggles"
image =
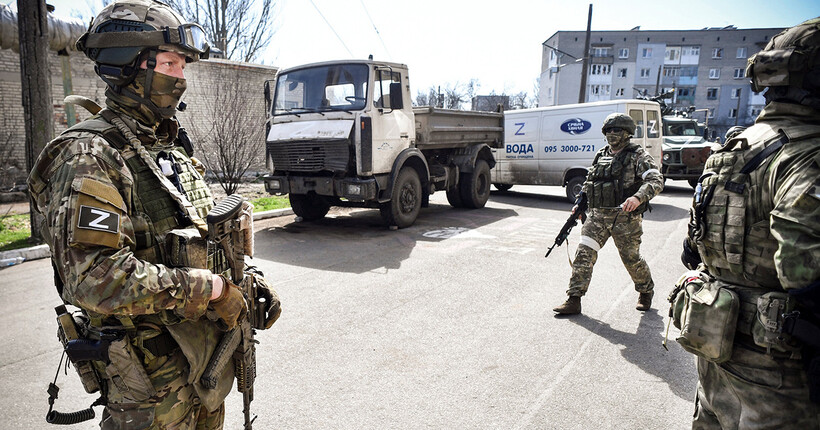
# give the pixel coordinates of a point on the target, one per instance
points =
(188, 36)
(613, 130)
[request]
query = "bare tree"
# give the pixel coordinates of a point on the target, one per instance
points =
(229, 141)
(241, 29)
(455, 95)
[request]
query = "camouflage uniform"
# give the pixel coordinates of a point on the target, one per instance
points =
(624, 227)
(756, 232)
(108, 208)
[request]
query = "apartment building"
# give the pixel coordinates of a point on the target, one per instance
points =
(705, 67)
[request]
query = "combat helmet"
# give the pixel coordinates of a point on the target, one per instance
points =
(619, 120)
(789, 66)
(125, 29)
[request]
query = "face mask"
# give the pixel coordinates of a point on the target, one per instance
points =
(617, 141)
(165, 92)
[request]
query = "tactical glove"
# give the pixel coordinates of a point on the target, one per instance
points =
(229, 308)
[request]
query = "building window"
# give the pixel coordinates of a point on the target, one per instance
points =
(599, 90)
(739, 73)
(619, 92)
(600, 52)
(717, 53)
(755, 112)
(714, 73)
(732, 113)
(600, 69)
(694, 50)
(646, 53)
(741, 52)
(621, 73)
(711, 93)
(672, 53)
(736, 93)
(623, 53)
(671, 71)
(644, 73)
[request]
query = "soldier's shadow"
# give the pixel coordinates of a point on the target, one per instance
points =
(644, 349)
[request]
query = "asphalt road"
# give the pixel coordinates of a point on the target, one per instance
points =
(445, 325)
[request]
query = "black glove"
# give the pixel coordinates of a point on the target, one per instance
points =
(690, 256)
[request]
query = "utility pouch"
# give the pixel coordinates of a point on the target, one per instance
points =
(127, 373)
(767, 326)
(706, 315)
(186, 248)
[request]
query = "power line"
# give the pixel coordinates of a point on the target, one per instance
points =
(331, 28)
(390, 57)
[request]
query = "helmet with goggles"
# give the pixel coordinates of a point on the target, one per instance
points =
(789, 65)
(618, 121)
(125, 29)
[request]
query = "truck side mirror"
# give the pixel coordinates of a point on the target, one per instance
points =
(395, 96)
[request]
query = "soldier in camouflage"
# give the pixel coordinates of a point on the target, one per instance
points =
(755, 232)
(620, 183)
(112, 189)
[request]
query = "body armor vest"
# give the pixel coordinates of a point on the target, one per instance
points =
(607, 178)
(732, 233)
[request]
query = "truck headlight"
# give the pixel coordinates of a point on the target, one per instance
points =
(274, 184)
(354, 189)
(666, 156)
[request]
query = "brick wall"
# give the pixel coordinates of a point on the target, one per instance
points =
(205, 79)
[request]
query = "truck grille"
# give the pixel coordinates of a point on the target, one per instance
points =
(309, 156)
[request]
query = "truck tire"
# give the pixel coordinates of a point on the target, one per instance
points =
(502, 187)
(454, 197)
(475, 186)
(574, 186)
(403, 209)
(309, 206)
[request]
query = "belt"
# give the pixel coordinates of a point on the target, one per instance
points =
(161, 345)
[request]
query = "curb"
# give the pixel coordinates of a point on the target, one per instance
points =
(17, 256)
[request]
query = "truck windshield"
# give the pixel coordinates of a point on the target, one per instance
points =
(681, 129)
(322, 88)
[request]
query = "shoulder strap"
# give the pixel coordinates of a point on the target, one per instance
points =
(770, 149)
(102, 127)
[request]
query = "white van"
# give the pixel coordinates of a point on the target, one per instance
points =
(555, 145)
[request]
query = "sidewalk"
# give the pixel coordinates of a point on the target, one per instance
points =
(17, 256)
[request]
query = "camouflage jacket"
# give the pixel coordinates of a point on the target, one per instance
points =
(645, 174)
(85, 190)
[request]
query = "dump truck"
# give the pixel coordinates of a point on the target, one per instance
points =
(344, 133)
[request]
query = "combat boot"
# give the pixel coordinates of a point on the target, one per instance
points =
(571, 307)
(645, 301)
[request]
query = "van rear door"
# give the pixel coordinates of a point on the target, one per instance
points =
(648, 128)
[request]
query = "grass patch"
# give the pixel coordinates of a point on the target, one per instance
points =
(270, 203)
(15, 231)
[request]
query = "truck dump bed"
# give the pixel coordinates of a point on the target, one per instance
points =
(448, 128)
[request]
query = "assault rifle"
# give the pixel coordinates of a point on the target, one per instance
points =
(228, 225)
(572, 221)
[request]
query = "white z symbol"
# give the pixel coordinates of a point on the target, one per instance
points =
(102, 216)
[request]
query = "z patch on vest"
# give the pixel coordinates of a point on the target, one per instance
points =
(98, 219)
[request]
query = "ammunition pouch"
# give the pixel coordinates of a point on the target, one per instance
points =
(187, 248)
(127, 374)
(706, 314)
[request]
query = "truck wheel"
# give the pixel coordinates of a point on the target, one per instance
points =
(403, 209)
(475, 186)
(574, 186)
(502, 187)
(454, 197)
(309, 206)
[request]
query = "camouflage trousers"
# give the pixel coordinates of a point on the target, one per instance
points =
(176, 405)
(753, 391)
(626, 229)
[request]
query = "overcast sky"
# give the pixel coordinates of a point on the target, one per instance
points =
(496, 42)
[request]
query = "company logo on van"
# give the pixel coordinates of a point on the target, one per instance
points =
(576, 126)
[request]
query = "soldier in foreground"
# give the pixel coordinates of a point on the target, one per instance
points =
(620, 183)
(750, 309)
(124, 205)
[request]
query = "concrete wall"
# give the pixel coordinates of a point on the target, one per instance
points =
(74, 74)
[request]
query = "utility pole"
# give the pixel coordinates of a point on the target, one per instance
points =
(737, 111)
(582, 95)
(32, 22)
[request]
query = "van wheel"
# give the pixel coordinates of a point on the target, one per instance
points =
(475, 190)
(403, 209)
(309, 206)
(502, 187)
(574, 187)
